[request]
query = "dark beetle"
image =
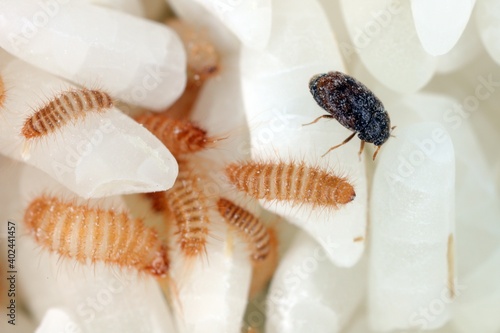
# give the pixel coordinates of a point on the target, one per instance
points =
(354, 106)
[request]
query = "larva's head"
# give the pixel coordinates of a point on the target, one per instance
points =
(160, 265)
(344, 193)
(35, 211)
(29, 131)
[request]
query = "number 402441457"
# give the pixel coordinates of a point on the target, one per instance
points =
(11, 244)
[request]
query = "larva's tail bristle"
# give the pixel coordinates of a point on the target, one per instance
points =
(248, 226)
(179, 136)
(296, 183)
(92, 234)
(71, 104)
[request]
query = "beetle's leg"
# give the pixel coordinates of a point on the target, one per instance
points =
(392, 129)
(341, 144)
(316, 120)
(376, 152)
(361, 147)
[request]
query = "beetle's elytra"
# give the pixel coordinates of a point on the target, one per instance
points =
(354, 106)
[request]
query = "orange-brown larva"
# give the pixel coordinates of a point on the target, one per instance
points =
(157, 200)
(190, 208)
(179, 136)
(248, 226)
(90, 234)
(71, 104)
(296, 183)
(202, 57)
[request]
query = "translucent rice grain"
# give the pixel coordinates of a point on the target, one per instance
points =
(138, 61)
(103, 154)
(212, 290)
(383, 34)
(440, 24)
(308, 293)
(249, 20)
(412, 269)
(133, 7)
(488, 23)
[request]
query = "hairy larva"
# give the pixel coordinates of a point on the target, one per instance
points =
(202, 57)
(179, 136)
(451, 265)
(248, 226)
(71, 104)
(293, 182)
(91, 234)
(190, 209)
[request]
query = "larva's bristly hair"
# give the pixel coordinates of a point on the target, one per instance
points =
(65, 107)
(91, 234)
(2, 92)
(248, 226)
(296, 183)
(451, 265)
(190, 208)
(179, 136)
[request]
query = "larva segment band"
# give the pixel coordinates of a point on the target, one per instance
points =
(248, 226)
(86, 234)
(69, 105)
(179, 136)
(293, 182)
(189, 206)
